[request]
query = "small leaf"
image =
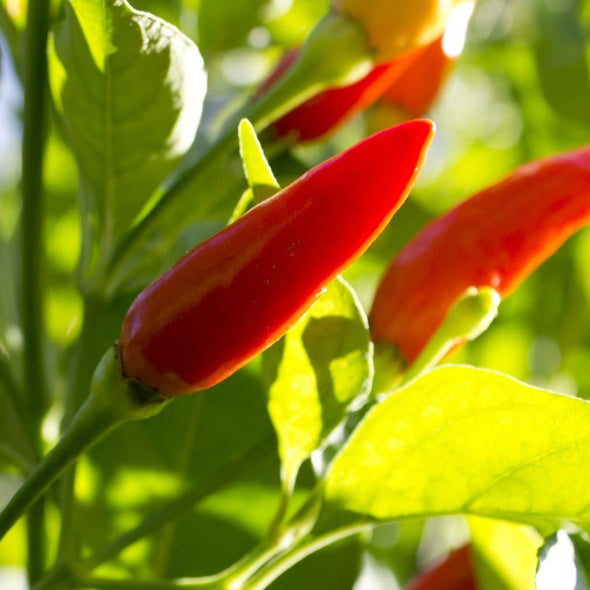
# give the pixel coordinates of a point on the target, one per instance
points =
(471, 441)
(318, 369)
(261, 181)
(256, 167)
(130, 88)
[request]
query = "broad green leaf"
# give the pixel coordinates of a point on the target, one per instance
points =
(317, 370)
(130, 88)
(505, 554)
(471, 441)
(564, 562)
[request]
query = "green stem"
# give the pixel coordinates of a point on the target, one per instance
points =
(91, 423)
(277, 521)
(191, 173)
(85, 359)
(32, 206)
(109, 584)
(162, 551)
(83, 364)
(31, 237)
(66, 572)
(283, 539)
(470, 315)
(268, 574)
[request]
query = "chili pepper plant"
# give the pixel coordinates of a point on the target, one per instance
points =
(294, 294)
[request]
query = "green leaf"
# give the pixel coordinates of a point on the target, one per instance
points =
(467, 440)
(261, 181)
(256, 168)
(317, 370)
(130, 88)
(505, 554)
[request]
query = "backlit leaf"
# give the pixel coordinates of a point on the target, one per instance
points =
(130, 88)
(322, 365)
(257, 169)
(471, 441)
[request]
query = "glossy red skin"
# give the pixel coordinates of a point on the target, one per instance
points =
(454, 573)
(326, 111)
(496, 238)
(416, 88)
(238, 292)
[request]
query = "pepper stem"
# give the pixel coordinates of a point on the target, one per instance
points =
(113, 400)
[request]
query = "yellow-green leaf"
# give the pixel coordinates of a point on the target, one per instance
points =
(471, 441)
(322, 365)
(130, 89)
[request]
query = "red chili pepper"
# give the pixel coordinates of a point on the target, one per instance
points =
(416, 88)
(238, 292)
(325, 111)
(495, 239)
(454, 573)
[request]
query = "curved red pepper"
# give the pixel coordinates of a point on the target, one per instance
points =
(325, 111)
(495, 238)
(238, 292)
(454, 573)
